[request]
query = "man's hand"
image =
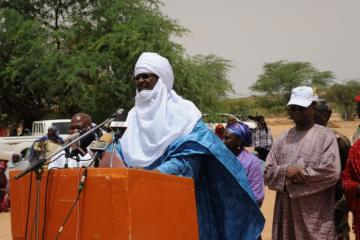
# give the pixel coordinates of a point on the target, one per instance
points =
(294, 173)
(291, 171)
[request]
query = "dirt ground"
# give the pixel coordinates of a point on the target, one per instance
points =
(277, 126)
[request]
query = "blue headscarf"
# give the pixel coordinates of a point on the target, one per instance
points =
(242, 131)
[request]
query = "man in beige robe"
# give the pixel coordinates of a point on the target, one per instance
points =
(303, 166)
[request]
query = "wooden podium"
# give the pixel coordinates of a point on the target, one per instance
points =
(115, 204)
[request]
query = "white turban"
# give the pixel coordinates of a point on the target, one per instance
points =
(159, 116)
(154, 63)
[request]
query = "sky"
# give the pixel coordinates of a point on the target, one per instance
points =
(250, 33)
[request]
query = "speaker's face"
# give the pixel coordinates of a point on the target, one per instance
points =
(145, 81)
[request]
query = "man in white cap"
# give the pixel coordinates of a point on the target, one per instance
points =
(165, 133)
(303, 167)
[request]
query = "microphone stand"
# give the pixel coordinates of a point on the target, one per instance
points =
(116, 140)
(38, 172)
(77, 160)
(42, 160)
(118, 134)
(67, 156)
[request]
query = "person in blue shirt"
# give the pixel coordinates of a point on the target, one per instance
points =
(52, 135)
(165, 133)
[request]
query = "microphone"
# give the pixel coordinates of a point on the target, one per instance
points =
(71, 137)
(100, 146)
(80, 146)
(119, 115)
(86, 141)
(119, 125)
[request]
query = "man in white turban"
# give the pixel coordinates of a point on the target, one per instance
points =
(165, 133)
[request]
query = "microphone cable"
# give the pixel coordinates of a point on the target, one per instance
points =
(45, 201)
(80, 188)
(53, 160)
(28, 206)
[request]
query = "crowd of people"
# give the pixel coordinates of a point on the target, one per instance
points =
(313, 169)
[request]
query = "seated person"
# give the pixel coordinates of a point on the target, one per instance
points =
(46, 144)
(79, 154)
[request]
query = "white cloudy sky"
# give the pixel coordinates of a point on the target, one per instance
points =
(252, 32)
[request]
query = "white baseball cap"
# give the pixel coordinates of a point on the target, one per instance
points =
(302, 96)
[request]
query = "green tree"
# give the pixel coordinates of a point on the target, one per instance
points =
(279, 78)
(58, 57)
(203, 80)
(342, 96)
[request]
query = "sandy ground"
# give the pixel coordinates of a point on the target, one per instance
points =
(277, 126)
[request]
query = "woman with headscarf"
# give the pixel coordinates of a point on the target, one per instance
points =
(165, 133)
(236, 137)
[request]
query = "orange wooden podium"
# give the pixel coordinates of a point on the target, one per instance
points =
(115, 204)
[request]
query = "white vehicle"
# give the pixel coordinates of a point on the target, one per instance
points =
(8, 153)
(39, 128)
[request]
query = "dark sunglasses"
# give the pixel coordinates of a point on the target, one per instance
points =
(295, 108)
(144, 76)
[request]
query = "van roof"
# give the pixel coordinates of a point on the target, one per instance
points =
(54, 120)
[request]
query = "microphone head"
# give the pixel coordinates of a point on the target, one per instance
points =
(106, 137)
(85, 141)
(120, 115)
(117, 113)
(102, 144)
(80, 146)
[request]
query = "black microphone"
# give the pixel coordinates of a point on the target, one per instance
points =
(82, 144)
(119, 125)
(87, 140)
(100, 146)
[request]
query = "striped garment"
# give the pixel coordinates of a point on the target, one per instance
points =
(304, 210)
(262, 138)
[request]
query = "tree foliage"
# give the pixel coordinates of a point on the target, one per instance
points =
(279, 78)
(342, 96)
(255, 105)
(58, 57)
(203, 79)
